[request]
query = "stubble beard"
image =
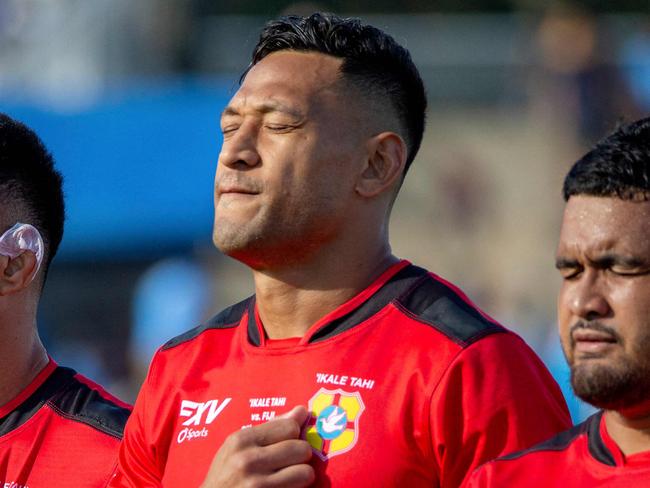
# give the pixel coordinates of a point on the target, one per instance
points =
(265, 244)
(279, 234)
(238, 240)
(624, 384)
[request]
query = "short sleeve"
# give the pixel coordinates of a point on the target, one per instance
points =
(138, 460)
(496, 397)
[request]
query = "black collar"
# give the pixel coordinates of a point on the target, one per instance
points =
(398, 285)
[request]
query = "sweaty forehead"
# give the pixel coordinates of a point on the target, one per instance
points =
(291, 77)
(599, 224)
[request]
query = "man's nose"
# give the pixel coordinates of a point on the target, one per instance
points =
(240, 148)
(586, 297)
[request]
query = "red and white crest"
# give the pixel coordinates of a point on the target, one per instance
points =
(333, 427)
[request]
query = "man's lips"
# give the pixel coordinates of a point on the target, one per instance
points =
(592, 341)
(236, 190)
(589, 335)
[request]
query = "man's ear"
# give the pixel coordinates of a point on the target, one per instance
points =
(16, 273)
(385, 164)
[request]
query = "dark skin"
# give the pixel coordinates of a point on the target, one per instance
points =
(604, 258)
(21, 352)
(304, 186)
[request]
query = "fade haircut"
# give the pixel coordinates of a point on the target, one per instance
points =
(30, 187)
(618, 166)
(372, 61)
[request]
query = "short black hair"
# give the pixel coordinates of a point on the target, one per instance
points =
(618, 166)
(372, 61)
(30, 185)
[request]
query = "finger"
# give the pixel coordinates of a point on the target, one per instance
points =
(296, 476)
(275, 431)
(299, 413)
(281, 455)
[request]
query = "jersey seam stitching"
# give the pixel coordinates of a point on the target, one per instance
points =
(93, 422)
(230, 325)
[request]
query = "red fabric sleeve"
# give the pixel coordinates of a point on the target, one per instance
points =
(138, 463)
(496, 397)
(478, 479)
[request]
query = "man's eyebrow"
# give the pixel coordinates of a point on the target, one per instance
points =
(603, 261)
(609, 259)
(229, 110)
(267, 106)
(564, 263)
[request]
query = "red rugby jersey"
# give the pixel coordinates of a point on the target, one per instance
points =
(61, 431)
(407, 382)
(585, 456)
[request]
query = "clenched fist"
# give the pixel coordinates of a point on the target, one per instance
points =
(267, 455)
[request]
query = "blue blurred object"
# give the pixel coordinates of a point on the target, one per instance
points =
(171, 297)
(636, 67)
(138, 165)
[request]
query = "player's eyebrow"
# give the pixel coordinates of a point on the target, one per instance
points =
(564, 263)
(229, 110)
(267, 106)
(609, 259)
(605, 260)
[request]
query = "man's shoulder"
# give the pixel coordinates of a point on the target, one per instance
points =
(439, 304)
(72, 404)
(226, 319)
(551, 451)
(65, 433)
(83, 401)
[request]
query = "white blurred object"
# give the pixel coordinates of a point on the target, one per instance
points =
(20, 238)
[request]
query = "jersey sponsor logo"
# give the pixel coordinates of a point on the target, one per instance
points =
(195, 411)
(333, 427)
(199, 414)
(12, 484)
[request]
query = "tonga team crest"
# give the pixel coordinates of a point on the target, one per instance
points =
(333, 427)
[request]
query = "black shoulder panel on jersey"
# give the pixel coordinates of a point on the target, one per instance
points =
(36, 400)
(394, 287)
(80, 402)
(253, 331)
(560, 442)
(225, 319)
(72, 399)
(435, 303)
(597, 447)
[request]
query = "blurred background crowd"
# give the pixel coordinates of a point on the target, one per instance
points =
(127, 95)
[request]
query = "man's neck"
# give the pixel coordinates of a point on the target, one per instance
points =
(291, 300)
(632, 435)
(22, 357)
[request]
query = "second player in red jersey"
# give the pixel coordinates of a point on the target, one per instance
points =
(57, 428)
(604, 309)
(62, 430)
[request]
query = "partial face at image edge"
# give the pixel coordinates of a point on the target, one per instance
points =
(604, 302)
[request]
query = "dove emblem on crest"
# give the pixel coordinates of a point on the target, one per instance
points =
(332, 423)
(333, 426)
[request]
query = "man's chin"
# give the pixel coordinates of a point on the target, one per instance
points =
(247, 251)
(231, 237)
(607, 387)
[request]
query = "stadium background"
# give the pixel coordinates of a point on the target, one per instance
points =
(127, 96)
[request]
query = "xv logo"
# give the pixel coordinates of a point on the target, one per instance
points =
(196, 410)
